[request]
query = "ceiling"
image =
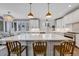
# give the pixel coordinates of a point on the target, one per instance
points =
(21, 10)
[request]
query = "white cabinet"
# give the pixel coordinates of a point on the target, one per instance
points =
(3, 51)
(59, 23)
(34, 23)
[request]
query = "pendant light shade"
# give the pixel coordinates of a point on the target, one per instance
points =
(30, 15)
(48, 15)
(8, 17)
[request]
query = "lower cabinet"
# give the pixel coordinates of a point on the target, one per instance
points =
(3, 51)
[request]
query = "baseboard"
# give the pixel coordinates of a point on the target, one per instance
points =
(76, 46)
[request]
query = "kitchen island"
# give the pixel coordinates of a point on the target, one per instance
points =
(27, 38)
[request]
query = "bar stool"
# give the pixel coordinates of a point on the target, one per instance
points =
(66, 47)
(39, 48)
(15, 47)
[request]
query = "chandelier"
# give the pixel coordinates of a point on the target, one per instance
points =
(8, 17)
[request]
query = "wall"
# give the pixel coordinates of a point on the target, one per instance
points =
(70, 21)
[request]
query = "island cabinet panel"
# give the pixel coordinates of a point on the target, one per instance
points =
(3, 51)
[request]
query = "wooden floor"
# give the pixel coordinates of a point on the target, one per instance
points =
(3, 52)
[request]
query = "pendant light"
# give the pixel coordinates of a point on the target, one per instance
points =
(8, 17)
(30, 15)
(48, 15)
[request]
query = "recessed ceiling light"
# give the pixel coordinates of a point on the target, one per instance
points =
(69, 6)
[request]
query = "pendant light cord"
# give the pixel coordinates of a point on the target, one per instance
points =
(8, 12)
(48, 7)
(30, 7)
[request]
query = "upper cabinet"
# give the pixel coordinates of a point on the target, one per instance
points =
(72, 17)
(1, 24)
(34, 23)
(68, 20)
(21, 25)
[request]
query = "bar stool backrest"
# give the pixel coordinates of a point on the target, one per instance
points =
(39, 47)
(67, 47)
(14, 46)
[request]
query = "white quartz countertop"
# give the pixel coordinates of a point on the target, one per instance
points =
(29, 37)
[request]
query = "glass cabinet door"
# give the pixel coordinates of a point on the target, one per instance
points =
(34, 23)
(1, 25)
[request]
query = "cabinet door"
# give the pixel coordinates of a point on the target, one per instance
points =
(75, 27)
(15, 26)
(34, 23)
(23, 25)
(3, 51)
(1, 25)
